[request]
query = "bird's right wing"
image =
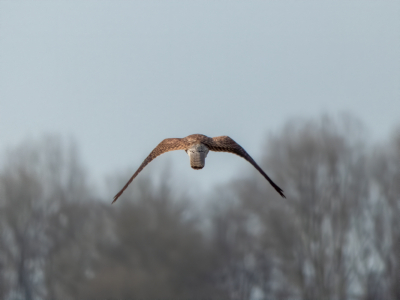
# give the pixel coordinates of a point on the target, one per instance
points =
(226, 144)
(165, 146)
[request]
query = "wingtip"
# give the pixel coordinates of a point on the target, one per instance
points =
(280, 191)
(115, 199)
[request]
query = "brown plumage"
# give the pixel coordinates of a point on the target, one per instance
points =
(197, 146)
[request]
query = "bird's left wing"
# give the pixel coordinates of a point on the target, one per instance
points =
(165, 146)
(226, 144)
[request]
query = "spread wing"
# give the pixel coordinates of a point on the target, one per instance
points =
(165, 146)
(226, 144)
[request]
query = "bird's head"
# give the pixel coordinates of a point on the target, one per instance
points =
(197, 155)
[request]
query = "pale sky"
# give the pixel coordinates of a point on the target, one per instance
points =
(120, 76)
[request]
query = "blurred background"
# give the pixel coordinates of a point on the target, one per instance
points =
(310, 89)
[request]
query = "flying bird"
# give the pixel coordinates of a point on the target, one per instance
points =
(197, 147)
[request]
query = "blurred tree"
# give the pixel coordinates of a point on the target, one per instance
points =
(336, 236)
(243, 266)
(307, 240)
(385, 213)
(36, 178)
(323, 165)
(154, 252)
(75, 233)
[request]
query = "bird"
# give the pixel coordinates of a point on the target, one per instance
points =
(197, 147)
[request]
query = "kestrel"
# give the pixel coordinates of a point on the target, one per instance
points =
(197, 147)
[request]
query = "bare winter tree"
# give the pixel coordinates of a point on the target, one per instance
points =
(384, 279)
(308, 240)
(243, 265)
(37, 176)
(336, 236)
(155, 250)
(323, 165)
(76, 233)
(58, 244)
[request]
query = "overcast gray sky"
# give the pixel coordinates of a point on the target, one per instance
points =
(120, 76)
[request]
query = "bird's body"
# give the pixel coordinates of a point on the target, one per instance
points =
(197, 147)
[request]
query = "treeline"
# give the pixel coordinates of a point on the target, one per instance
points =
(336, 236)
